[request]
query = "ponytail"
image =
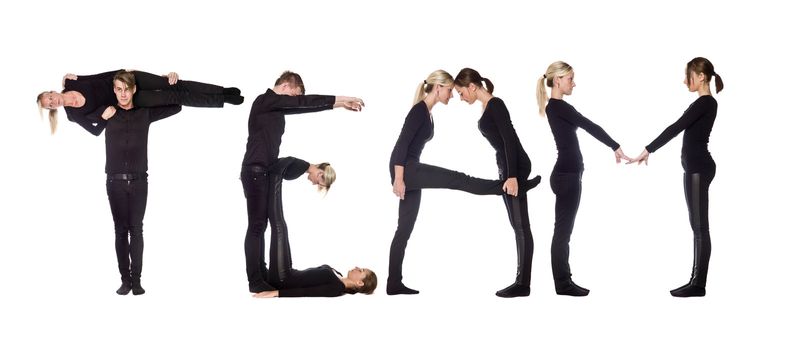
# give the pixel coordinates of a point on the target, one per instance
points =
(718, 82)
(541, 94)
(420, 94)
(489, 85)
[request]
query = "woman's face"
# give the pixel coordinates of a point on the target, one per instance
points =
(565, 83)
(51, 100)
(443, 93)
(468, 93)
(316, 176)
(357, 274)
(695, 81)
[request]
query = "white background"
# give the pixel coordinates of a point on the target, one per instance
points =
(632, 241)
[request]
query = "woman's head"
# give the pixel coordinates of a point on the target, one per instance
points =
(559, 77)
(365, 280)
(322, 175)
(439, 83)
(698, 74)
(50, 100)
(290, 83)
(468, 82)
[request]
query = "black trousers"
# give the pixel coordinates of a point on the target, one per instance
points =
(418, 176)
(517, 209)
(567, 188)
(128, 200)
(280, 253)
(153, 91)
(695, 186)
(256, 191)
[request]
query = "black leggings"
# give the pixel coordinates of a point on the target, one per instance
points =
(280, 254)
(695, 186)
(517, 208)
(153, 91)
(567, 188)
(128, 200)
(416, 177)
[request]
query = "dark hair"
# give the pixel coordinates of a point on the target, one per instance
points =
(370, 283)
(469, 75)
(703, 65)
(293, 79)
(126, 78)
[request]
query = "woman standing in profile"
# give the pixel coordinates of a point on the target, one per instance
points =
(409, 176)
(565, 179)
(698, 166)
(512, 163)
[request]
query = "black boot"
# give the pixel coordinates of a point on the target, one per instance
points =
(232, 91)
(571, 289)
(522, 285)
(697, 283)
(530, 183)
(395, 288)
(136, 286)
(125, 288)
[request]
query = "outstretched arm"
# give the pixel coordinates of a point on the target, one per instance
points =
(694, 112)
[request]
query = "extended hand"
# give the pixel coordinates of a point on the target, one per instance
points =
(641, 158)
(620, 155)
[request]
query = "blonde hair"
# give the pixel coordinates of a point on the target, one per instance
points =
(438, 77)
(52, 114)
(556, 69)
(328, 176)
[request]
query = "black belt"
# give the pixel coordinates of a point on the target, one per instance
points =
(255, 168)
(126, 177)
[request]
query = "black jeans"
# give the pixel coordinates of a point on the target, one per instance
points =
(695, 186)
(128, 200)
(153, 91)
(256, 191)
(416, 177)
(567, 188)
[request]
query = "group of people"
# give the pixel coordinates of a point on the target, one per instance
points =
(124, 103)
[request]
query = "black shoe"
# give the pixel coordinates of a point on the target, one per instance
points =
(231, 91)
(513, 291)
(137, 288)
(233, 99)
(572, 289)
(531, 183)
(124, 289)
(688, 290)
(399, 288)
(260, 286)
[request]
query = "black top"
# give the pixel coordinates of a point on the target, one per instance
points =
(495, 125)
(417, 130)
(564, 122)
(98, 90)
(290, 168)
(696, 122)
(267, 123)
(126, 138)
(322, 281)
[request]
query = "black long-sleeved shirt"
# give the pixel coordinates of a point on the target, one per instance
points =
(98, 90)
(289, 167)
(321, 281)
(564, 122)
(417, 131)
(696, 123)
(126, 138)
(495, 125)
(267, 123)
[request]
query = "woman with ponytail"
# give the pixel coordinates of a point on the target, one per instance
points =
(409, 176)
(512, 163)
(565, 179)
(698, 166)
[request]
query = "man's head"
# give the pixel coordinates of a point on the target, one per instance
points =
(124, 88)
(289, 83)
